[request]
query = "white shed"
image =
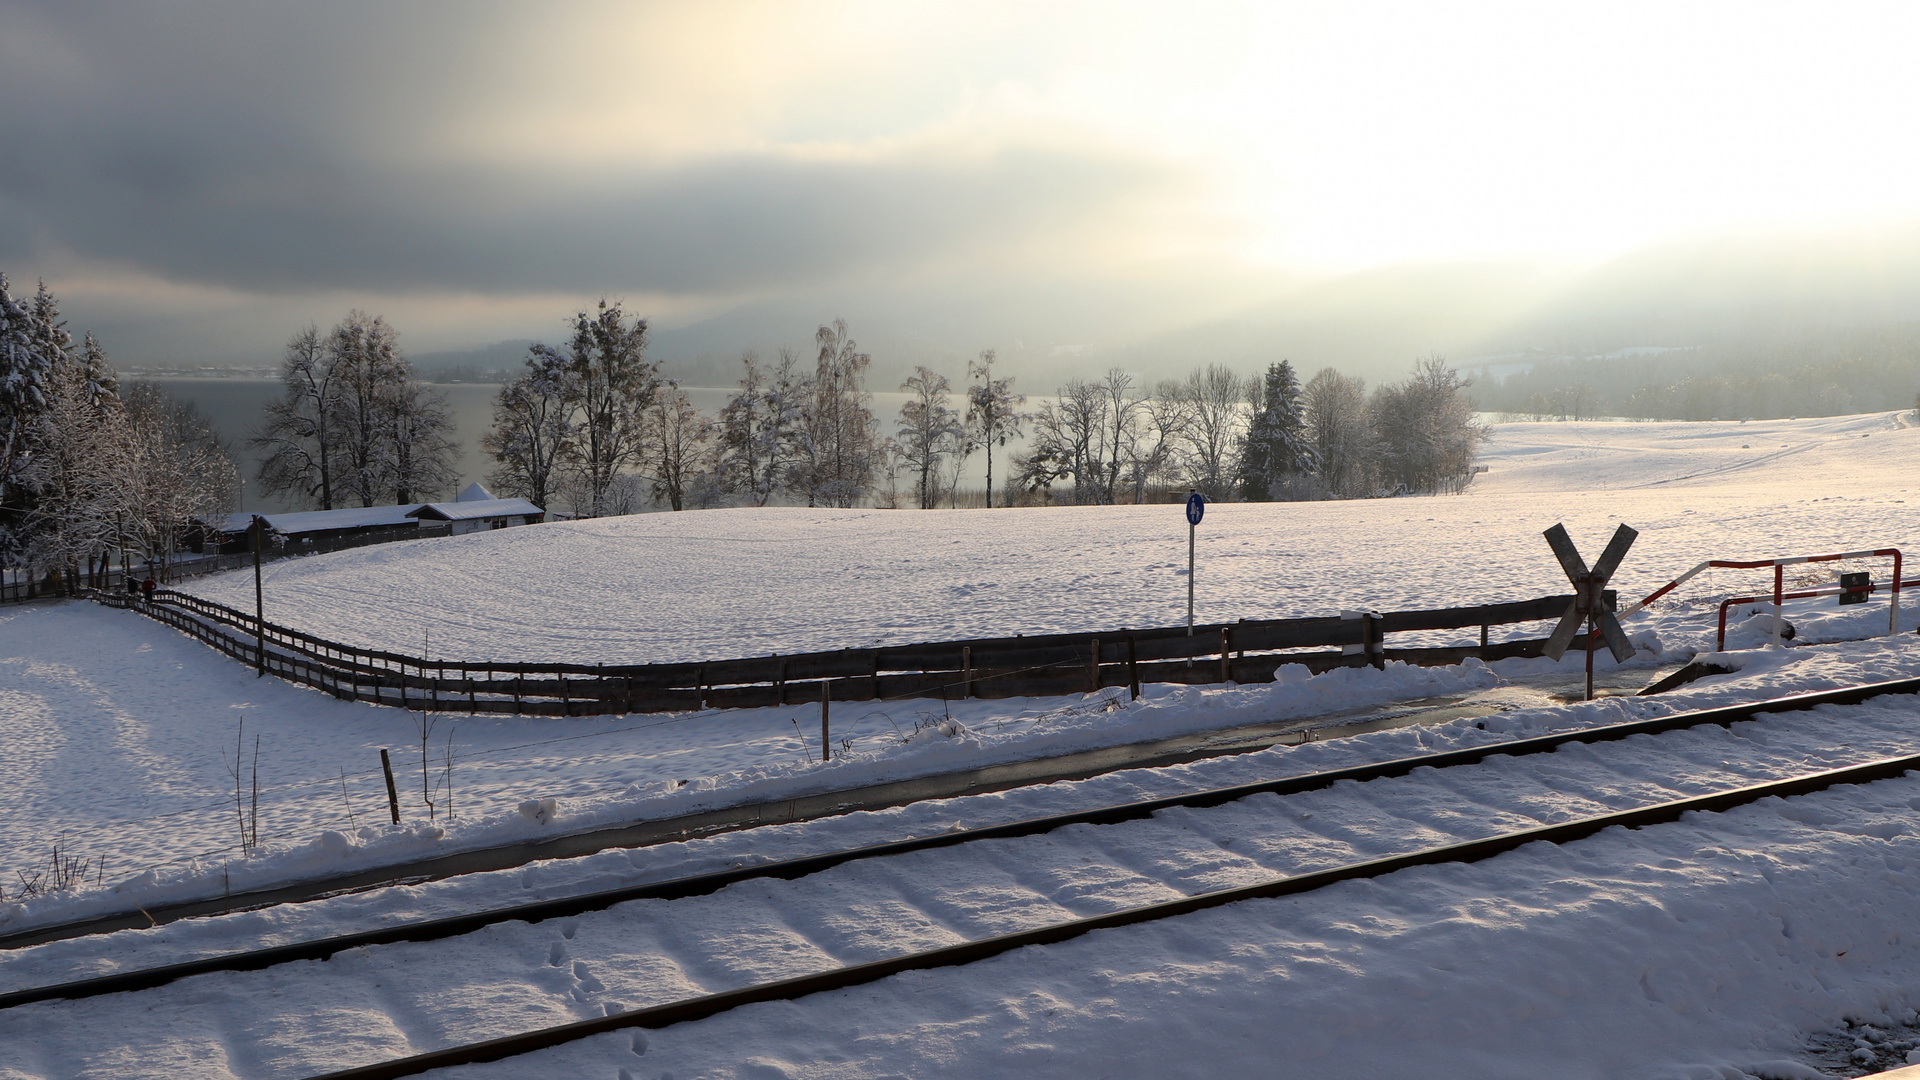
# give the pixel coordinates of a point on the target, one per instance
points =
(475, 509)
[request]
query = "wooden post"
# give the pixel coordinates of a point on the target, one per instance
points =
(1133, 669)
(566, 707)
(259, 602)
(393, 793)
(1093, 665)
(826, 740)
(966, 671)
(1376, 641)
(1226, 654)
(1483, 637)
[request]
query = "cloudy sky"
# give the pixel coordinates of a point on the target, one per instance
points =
(197, 180)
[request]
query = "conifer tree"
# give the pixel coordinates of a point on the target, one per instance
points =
(1276, 448)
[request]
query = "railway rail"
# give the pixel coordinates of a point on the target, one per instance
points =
(1152, 859)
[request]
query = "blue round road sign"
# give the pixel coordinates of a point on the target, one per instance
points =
(1196, 507)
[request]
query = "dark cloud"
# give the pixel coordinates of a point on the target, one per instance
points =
(267, 152)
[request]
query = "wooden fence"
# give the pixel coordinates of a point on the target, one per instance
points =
(1248, 651)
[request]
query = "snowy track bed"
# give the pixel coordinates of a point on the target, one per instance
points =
(373, 1004)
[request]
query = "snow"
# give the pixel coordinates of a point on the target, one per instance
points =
(748, 582)
(1709, 948)
(464, 509)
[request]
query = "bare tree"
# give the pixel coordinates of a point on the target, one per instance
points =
(297, 437)
(993, 411)
(420, 451)
(1163, 427)
(529, 434)
(1068, 441)
(1215, 400)
(929, 432)
(364, 365)
(675, 447)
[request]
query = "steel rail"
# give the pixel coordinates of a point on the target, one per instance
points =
(677, 1012)
(790, 869)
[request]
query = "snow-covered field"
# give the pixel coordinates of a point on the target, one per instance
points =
(661, 587)
(119, 730)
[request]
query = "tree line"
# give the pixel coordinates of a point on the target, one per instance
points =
(91, 474)
(594, 425)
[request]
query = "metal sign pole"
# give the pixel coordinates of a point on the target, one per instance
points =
(1196, 508)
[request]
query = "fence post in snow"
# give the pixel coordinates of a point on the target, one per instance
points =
(1226, 647)
(1093, 665)
(826, 742)
(1133, 670)
(966, 671)
(393, 793)
(259, 529)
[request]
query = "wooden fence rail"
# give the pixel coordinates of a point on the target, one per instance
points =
(1044, 664)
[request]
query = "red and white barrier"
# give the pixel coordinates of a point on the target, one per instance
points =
(1779, 585)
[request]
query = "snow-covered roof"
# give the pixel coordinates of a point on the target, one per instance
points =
(306, 521)
(486, 508)
(475, 492)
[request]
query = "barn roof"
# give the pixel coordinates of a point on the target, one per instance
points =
(479, 508)
(309, 521)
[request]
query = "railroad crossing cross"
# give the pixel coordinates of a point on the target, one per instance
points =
(1589, 601)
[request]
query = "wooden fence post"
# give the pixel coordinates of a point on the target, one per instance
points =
(826, 741)
(966, 671)
(393, 793)
(1226, 650)
(1093, 665)
(1133, 669)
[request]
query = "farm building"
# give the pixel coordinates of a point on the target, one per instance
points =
(475, 509)
(322, 530)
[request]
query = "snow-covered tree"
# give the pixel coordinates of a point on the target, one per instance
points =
(758, 428)
(838, 448)
(613, 384)
(929, 433)
(1338, 429)
(993, 411)
(26, 370)
(1275, 454)
(1424, 429)
(174, 469)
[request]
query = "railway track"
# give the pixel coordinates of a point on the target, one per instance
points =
(497, 983)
